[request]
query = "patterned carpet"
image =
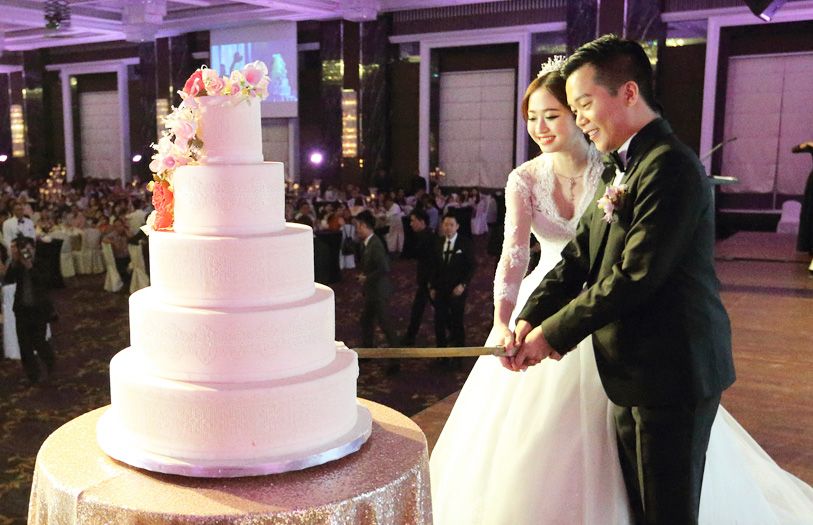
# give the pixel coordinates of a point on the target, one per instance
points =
(93, 326)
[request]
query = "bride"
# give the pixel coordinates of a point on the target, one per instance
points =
(539, 447)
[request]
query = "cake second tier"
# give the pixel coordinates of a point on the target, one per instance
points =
(229, 199)
(210, 271)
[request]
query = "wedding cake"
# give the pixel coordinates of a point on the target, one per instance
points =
(232, 369)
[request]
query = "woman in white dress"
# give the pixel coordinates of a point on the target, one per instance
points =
(539, 447)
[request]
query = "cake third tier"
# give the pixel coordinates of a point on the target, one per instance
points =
(220, 271)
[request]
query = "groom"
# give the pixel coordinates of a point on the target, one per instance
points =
(661, 336)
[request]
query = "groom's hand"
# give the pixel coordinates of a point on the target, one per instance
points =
(520, 332)
(533, 350)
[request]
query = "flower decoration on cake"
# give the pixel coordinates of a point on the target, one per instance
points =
(180, 142)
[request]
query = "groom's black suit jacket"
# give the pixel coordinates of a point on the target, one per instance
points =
(660, 332)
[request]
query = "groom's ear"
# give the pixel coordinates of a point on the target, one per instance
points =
(630, 93)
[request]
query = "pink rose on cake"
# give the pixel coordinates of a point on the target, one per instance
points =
(194, 86)
(212, 82)
(255, 72)
(256, 76)
(236, 81)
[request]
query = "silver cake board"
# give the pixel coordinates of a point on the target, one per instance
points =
(116, 445)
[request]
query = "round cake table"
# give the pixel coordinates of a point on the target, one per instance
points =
(387, 481)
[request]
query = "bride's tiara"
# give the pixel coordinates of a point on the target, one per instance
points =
(554, 63)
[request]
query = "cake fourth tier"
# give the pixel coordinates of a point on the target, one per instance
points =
(224, 271)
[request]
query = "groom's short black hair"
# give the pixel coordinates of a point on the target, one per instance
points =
(616, 61)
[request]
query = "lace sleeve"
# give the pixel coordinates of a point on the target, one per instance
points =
(515, 247)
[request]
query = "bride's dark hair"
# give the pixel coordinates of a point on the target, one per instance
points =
(553, 82)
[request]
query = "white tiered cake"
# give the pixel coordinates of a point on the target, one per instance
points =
(232, 368)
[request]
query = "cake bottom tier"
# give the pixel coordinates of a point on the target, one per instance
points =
(232, 421)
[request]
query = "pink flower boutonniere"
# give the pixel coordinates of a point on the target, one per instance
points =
(611, 202)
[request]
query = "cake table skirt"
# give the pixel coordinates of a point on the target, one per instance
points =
(387, 481)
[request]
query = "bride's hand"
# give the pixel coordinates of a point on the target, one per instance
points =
(505, 338)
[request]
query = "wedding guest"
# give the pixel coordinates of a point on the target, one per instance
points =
(32, 307)
(452, 270)
(304, 210)
(432, 212)
(804, 240)
(17, 224)
(357, 206)
(393, 216)
(136, 218)
(375, 281)
(424, 244)
(117, 238)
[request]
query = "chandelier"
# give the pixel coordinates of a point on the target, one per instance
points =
(57, 15)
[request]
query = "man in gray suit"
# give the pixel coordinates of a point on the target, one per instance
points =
(375, 269)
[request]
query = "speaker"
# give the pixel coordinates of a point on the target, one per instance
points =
(764, 9)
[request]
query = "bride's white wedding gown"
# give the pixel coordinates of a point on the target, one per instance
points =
(539, 447)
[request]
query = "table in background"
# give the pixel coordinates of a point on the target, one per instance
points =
(386, 482)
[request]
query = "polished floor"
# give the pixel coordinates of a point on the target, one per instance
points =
(769, 296)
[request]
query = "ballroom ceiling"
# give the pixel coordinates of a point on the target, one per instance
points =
(23, 22)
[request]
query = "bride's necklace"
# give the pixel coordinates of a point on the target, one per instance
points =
(572, 188)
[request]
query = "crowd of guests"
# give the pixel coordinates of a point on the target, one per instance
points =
(332, 209)
(374, 227)
(36, 216)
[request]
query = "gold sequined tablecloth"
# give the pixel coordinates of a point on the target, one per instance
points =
(386, 482)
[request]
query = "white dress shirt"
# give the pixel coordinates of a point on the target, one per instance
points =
(13, 226)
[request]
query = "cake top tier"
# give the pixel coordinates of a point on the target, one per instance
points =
(218, 122)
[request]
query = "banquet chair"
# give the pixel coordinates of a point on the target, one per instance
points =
(92, 251)
(11, 346)
(77, 240)
(139, 278)
(112, 280)
(66, 266)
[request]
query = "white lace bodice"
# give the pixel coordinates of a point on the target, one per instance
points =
(530, 207)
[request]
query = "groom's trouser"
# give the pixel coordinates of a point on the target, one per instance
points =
(663, 454)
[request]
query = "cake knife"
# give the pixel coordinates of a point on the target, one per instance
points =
(457, 351)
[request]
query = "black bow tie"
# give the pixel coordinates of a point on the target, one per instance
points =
(20, 221)
(616, 161)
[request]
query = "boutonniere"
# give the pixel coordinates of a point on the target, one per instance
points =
(611, 202)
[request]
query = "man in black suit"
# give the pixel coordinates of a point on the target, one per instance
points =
(375, 269)
(452, 270)
(32, 307)
(661, 335)
(424, 251)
